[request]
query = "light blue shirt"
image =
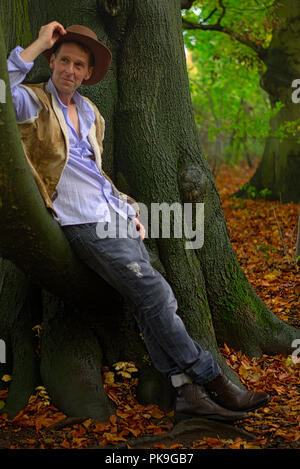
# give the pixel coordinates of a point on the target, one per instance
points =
(84, 195)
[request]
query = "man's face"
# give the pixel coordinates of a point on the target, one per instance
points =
(70, 67)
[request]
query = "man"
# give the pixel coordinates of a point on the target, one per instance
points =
(62, 135)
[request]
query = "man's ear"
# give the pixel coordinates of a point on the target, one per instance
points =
(89, 73)
(51, 62)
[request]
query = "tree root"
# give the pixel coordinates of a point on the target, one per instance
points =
(186, 432)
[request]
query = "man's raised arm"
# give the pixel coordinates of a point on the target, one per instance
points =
(21, 61)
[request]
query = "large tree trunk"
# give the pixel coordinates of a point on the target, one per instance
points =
(279, 169)
(152, 152)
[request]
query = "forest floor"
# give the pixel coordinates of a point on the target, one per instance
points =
(263, 235)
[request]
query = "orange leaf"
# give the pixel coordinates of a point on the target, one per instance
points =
(65, 444)
(78, 432)
(113, 419)
(113, 438)
(80, 441)
(101, 427)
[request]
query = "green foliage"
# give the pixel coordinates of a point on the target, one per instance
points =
(266, 248)
(231, 110)
(253, 193)
(253, 19)
(288, 129)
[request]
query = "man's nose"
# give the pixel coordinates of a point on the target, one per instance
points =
(70, 67)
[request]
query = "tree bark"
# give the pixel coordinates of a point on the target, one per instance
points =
(152, 152)
(279, 169)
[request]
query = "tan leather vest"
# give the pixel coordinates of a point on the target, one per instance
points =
(45, 141)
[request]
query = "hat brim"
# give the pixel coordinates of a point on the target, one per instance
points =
(101, 53)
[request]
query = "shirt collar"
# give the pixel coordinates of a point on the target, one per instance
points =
(85, 111)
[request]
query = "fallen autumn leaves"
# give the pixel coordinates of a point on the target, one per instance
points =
(263, 235)
(41, 426)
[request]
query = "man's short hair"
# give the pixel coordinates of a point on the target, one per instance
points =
(57, 47)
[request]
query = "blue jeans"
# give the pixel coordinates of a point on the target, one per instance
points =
(123, 261)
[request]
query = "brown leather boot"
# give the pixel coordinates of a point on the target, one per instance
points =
(230, 396)
(193, 401)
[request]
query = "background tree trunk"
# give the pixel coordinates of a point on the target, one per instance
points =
(279, 169)
(152, 152)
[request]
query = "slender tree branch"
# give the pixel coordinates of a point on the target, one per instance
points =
(223, 11)
(261, 52)
(210, 15)
(281, 237)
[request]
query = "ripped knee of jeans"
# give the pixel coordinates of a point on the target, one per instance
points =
(136, 268)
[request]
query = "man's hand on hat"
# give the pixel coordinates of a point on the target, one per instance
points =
(50, 33)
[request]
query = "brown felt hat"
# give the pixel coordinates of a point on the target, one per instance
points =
(84, 35)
